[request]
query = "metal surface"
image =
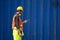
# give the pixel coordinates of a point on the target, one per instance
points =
(44, 19)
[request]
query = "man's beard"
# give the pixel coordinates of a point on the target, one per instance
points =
(19, 14)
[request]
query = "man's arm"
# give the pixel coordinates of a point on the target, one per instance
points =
(13, 22)
(17, 22)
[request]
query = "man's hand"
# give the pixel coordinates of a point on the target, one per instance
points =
(25, 21)
(21, 33)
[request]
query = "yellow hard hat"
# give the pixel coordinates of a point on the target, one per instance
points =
(19, 8)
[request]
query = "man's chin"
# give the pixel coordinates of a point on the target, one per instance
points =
(19, 15)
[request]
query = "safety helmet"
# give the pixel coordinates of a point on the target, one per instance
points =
(19, 8)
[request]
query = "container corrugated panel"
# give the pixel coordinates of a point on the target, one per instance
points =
(43, 16)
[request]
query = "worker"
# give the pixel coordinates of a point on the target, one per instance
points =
(17, 24)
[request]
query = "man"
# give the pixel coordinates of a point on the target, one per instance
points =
(17, 24)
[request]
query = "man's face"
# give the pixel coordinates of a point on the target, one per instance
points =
(20, 12)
